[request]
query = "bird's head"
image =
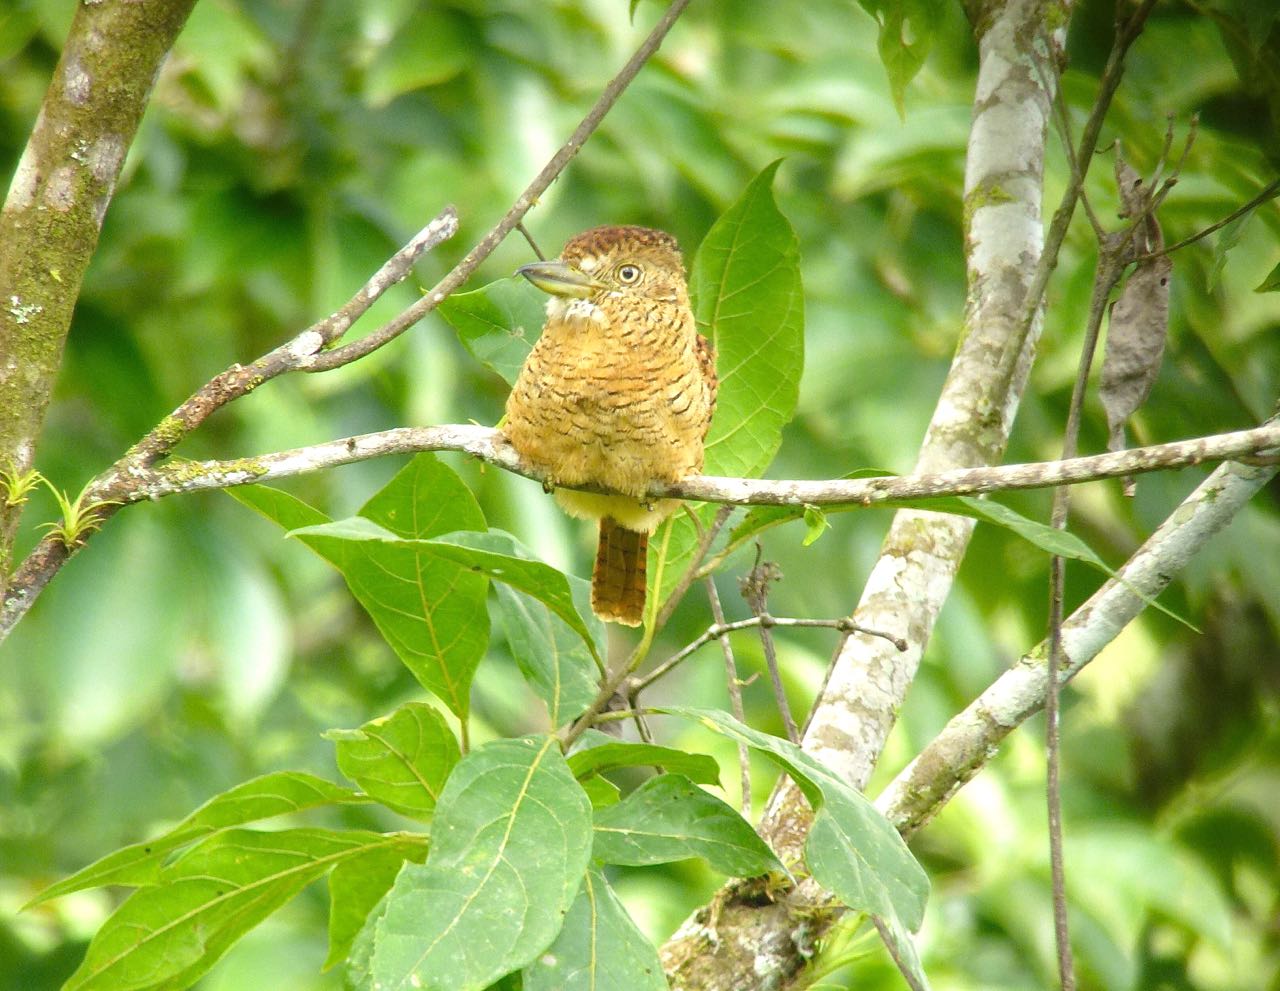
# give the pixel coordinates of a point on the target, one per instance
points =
(613, 263)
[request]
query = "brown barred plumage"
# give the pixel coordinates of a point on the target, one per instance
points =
(617, 392)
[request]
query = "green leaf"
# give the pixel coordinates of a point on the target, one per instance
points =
(1228, 237)
(748, 298)
(1272, 282)
(852, 851)
(510, 843)
(598, 752)
(598, 949)
(495, 554)
(276, 794)
(907, 28)
(601, 791)
(356, 887)
(553, 658)
(402, 760)
(670, 818)
(1047, 538)
(429, 48)
(431, 611)
(902, 949)
(498, 323)
(816, 524)
(277, 505)
(167, 936)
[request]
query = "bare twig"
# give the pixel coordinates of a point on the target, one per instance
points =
(755, 590)
(239, 380)
(1126, 34)
(706, 538)
(1269, 191)
(304, 352)
(972, 737)
(734, 686)
(488, 445)
(532, 243)
(1111, 264)
(523, 204)
(715, 632)
(1261, 444)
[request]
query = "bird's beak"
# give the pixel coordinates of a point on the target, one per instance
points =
(560, 279)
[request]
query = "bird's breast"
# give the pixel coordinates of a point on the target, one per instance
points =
(609, 402)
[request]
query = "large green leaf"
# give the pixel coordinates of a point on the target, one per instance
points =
(670, 818)
(599, 948)
(275, 794)
(402, 759)
(356, 887)
(598, 752)
(167, 936)
(852, 851)
(495, 554)
(554, 660)
(497, 323)
(510, 843)
(431, 611)
(748, 298)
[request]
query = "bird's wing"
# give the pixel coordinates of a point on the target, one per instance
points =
(707, 363)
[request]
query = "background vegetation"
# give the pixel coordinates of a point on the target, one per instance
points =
(291, 146)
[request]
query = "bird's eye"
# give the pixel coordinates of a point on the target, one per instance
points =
(629, 275)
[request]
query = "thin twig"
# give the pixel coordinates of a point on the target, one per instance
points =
(1062, 123)
(1126, 34)
(523, 204)
(1268, 192)
(532, 243)
(614, 682)
(715, 632)
(734, 686)
(706, 538)
(755, 590)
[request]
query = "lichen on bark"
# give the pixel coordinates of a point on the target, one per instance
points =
(56, 202)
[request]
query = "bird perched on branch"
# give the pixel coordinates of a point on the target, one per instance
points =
(618, 393)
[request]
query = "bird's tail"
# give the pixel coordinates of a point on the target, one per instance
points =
(618, 581)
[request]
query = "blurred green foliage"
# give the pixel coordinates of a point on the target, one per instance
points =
(293, 144)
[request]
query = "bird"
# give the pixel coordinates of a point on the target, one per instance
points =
(617, 393)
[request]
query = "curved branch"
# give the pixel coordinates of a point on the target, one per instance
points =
(138, 482)
(489, 445)
(305, 352)
(524, 203)
(970, 739)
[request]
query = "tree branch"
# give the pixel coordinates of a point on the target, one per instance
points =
(970, 739)
(513, 218)
(130, 484)
(305, 351)
(489, 445)
(56, 203)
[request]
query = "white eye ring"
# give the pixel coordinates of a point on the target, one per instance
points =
(629, 274)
